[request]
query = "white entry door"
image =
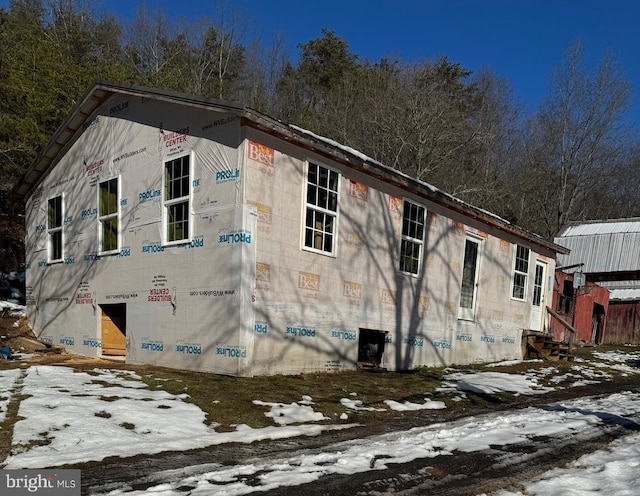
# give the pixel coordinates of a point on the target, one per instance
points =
(538, 304)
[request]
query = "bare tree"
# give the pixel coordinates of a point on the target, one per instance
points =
(263, 67)
(418, 117)
(146, 41)
(570, 145)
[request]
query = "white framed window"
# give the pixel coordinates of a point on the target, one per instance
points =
(520, 273)
(109, 216)
(55, 219)
(469, 282)
(176, 201)
(412, 238)
(321, 212)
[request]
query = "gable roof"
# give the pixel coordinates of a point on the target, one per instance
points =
(603, 246)
(96, 95)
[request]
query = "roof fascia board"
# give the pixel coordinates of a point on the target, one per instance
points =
(64, 136)
(58, 143)
(391, 176)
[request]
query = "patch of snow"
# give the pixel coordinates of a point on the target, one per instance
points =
(73, 417)
(408, 406)
(8, 379)
(356, 405)
(493, 382)
(291, 414)
(15, 309)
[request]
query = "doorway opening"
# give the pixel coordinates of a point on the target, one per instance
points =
(597, 323)
(371, 348)
(113, 325)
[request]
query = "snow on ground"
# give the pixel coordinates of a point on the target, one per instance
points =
(73, 417)
(408, 406)
(613, 471)
(70, 417)
(8, 380)
(293, 413)
(562, 420)
(493, 382)
(15, 309)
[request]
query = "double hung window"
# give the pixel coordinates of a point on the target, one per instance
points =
(321, 213)
(412, 239)
(520, 273)
(108, 216)
(54, 229)
(177, 200)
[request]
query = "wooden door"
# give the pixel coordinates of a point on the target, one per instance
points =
(114, 338)
(538, 301)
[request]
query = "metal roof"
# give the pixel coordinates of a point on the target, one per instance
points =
(624, 295)
(612, 226)
(611, 285)
(85, 110)
(602, 246)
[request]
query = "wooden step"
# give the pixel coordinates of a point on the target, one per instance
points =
(539, 345)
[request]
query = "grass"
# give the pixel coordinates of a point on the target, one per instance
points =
(228, 401)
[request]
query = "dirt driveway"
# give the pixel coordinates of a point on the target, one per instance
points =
(500, 467)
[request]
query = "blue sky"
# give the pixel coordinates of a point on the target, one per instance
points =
(520, 40)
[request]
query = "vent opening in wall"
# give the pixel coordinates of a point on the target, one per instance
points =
(371, 349)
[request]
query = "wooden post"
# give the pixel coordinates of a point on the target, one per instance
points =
(568, 326)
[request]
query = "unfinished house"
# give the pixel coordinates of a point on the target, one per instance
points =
(186, 232)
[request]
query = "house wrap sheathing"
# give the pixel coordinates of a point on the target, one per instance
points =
(190, 233)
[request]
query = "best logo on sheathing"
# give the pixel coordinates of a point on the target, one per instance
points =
(263, 276)
(263, 155)
(352, 291)
(394, 204)
(388, 297)
(359, 190)
(264, 215)
(308, 281)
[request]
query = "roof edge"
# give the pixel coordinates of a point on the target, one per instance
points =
(100, 91)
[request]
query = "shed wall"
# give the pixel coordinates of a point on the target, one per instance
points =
(623, 323)
(579, 310)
